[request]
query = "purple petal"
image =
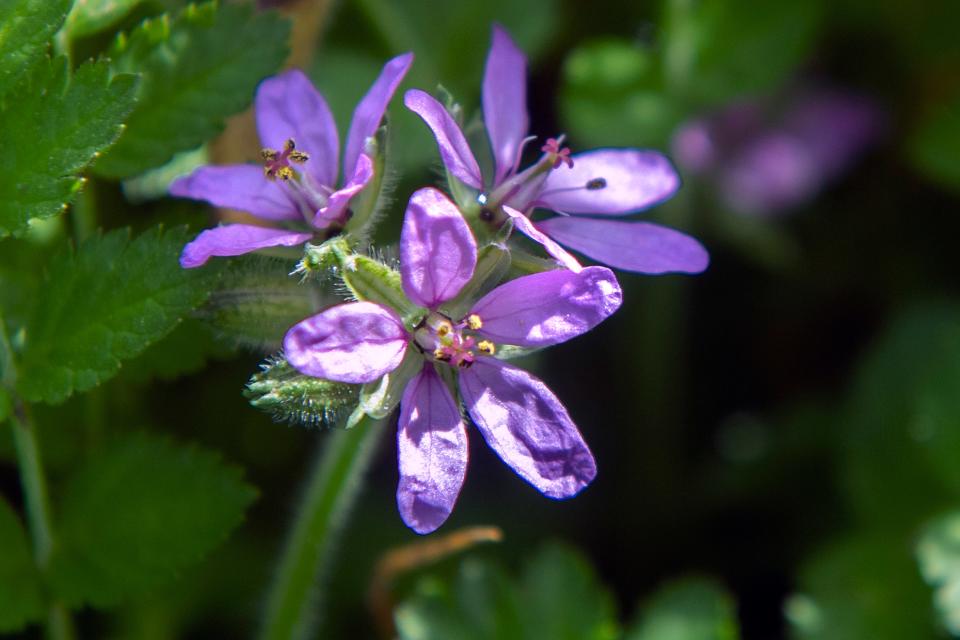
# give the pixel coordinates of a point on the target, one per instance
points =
(454, 150)
(237, 186)
(288, 106)
(339, 199)
(610, 182)
(437, 251)
(370, 110)
(549, 307)
(632, 246)
(526, 227)
(354, 342)
(528, 427)
(235, 240)
(505, 100)
(432, 452)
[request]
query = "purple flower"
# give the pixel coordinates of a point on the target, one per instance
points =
(295, 188)
(516, 413)
(764, 160)
(585, 188)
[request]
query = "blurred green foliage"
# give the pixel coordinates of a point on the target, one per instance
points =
(833, 521)
(557, 596)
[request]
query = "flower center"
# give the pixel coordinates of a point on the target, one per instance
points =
(304, 190)
(277, 163)
(521, 190)
(450, 342)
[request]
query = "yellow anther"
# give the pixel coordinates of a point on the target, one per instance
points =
(298, 156)
(289, 145)
(474, 322)
(285, 173)
(486, 347)
(444, 329)
(268, 155)
(440, 354)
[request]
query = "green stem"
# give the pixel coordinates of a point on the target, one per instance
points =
(333, 486)
(34, 484)
(37, 504)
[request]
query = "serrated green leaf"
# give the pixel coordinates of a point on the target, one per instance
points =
(197, 69)
(938, 554)
(90, 16)
(139, 512)
(102, 304)
(688, 609)
(21, 601)
(26, 27)
(186, 350)
(53, 126)
(290, 396)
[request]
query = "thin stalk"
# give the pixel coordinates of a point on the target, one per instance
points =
(37, 504)
(34, 484)
(293, 602)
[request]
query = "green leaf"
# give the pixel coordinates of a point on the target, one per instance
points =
(53, 126)
(105, 303)
(862, 586)
(197, 69)
(186, 350)
(901, 440)
(612, 94)
(688, 609)
(716, 51)
(558, 598)
(935, 145)
(90, 16)
(21, 601)
(938, 553)
(26, 27)
(137, 514)
(482, 603)
(290, 396)
(564, 599)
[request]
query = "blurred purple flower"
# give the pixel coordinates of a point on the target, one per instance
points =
(516, 413)
(295, 189)
(603, 183)
(764, 160)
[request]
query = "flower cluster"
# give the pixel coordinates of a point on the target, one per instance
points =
(440, 331)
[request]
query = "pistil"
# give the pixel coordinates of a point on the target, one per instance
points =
(452, 342)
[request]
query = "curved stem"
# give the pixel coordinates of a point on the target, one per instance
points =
(332, 488)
